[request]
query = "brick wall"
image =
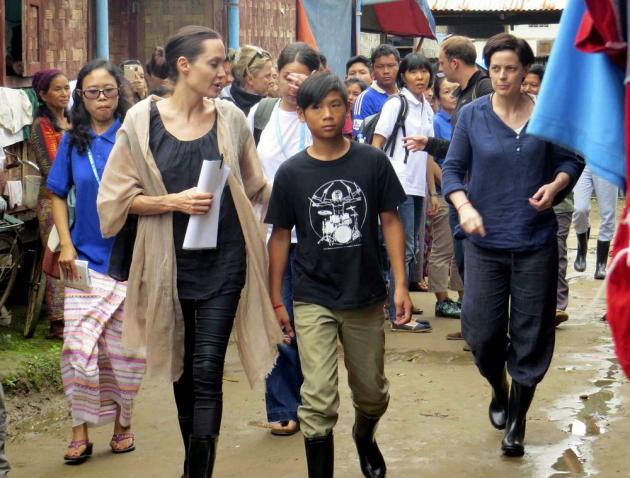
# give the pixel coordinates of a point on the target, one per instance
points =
(65, 35)
(269, 24)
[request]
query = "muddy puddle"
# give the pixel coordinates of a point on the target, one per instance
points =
(583, 417)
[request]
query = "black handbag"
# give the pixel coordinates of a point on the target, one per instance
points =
(122, 250)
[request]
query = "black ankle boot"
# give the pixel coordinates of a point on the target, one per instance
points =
(201, 454)
(580, 259)
(185, 427)
(370, 457)
(320, 456)
(602, 259)
(498, 409)
(520, 399)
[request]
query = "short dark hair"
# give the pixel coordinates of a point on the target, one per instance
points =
(322, 60)
(504, 42)
(461, 48)
(384, 50)
(355, 81)
(157, 65)
(317, 86)
(358, 59)
(187, 43)
(415, 61)
(537, 69)
(300, 52)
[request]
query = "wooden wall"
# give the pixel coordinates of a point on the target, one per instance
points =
(269, 24)
(65, 35)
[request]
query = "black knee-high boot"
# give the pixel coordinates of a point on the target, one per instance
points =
(580, 258)
(602, 259)
(370, 457)
(201, 455)
(498, 409)
(320, 456)
(520, 399)
(185, 427)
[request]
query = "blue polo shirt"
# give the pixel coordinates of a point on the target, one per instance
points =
(503, 170)
(443, 129)
(368, 103)
(72, 168)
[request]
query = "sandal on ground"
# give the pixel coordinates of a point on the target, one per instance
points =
(285, 428)
(117, 438)
(78, 459)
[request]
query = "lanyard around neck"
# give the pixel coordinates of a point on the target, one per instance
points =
(280, 138)
(91, 158)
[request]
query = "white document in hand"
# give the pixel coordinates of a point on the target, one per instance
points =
(202, 230)
(82, 280)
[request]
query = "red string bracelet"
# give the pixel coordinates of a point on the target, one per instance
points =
(278, 306)
(462, 205)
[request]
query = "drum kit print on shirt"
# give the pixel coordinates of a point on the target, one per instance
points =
(337, 213)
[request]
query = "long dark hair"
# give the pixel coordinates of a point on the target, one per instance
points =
(300, 52)
(43, 111)
(80, 132)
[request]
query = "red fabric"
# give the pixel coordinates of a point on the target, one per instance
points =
(347, 126)
(618, 314)
(403, 18)
(600, 31)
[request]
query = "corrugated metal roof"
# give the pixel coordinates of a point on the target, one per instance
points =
(496, 5)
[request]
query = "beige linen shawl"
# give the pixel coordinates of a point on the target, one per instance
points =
(153, 316)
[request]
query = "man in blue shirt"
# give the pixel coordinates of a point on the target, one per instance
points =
(385, 60)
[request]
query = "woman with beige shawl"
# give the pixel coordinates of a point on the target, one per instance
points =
(181, 304)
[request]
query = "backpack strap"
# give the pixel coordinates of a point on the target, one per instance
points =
(262, 116)
(400, 124)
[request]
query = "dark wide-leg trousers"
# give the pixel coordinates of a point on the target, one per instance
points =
(508, 313)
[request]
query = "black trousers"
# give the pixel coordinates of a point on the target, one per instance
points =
(508, 314)
(199, 391)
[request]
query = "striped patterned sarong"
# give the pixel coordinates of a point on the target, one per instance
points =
(97, 372)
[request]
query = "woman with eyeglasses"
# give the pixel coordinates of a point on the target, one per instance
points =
(253, 76)
(100, 377)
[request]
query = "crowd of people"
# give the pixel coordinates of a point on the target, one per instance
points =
(370, 186)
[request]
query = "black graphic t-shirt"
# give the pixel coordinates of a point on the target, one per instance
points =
(334, 206)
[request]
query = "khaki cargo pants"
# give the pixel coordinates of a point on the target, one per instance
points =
(361, 334)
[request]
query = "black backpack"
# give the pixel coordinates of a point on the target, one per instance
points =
(262, 115)
(369, 125)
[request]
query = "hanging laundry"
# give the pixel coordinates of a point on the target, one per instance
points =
(16, 112)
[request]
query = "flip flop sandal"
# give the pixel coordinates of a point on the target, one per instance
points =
(75, 445)
(285, 432)
(117, 438)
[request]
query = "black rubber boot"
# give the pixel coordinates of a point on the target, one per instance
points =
(602, 259)
(498, 409)
(185, 427)
(370, 457)
(520, 400)
(320, 456)
(580, 258)
(201, 454)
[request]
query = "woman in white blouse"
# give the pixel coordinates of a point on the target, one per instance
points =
(415, 75)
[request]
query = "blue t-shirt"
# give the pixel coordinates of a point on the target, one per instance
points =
(442, 129)
(504, 169)
(368, 103)
(75, 169)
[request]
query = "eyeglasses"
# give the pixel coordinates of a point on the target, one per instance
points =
(94, 93)
(260, 53)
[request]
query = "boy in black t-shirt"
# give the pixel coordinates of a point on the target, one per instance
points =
(334, 193)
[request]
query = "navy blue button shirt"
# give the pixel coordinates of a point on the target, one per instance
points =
(503, 169)
(74, 169)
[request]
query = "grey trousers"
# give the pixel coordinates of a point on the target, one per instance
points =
(4, 464)
(564, 224)
(606, 194)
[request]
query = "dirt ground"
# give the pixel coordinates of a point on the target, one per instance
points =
(436, 425)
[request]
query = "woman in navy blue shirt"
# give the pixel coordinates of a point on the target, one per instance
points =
(100, 378)
(511, 255)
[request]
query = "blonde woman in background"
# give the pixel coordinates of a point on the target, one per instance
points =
(252, 72)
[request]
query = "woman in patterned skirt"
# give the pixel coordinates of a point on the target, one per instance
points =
(100, 377)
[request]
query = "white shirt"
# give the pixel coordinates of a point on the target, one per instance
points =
(284, 136)
(419, 121)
